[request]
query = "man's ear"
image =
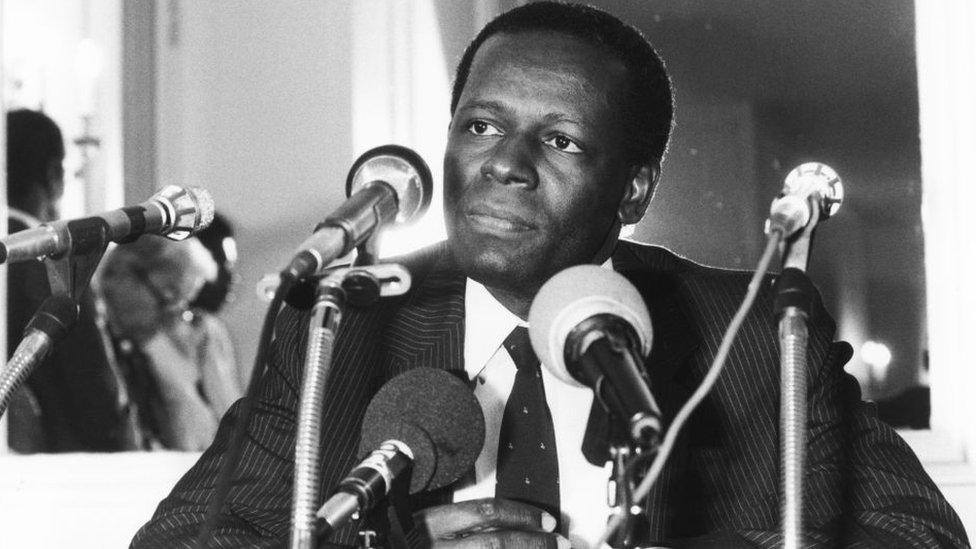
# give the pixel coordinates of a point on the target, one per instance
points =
(637, 195)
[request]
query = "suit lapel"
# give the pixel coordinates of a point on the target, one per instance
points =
(675, 336)
(428, 329)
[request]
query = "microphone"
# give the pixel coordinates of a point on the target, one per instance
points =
(56, 315)
(425, 418)
(589, 326)
(173, 212)
(386, 184)
(812, 181)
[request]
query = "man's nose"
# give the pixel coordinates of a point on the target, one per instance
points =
(512, 161)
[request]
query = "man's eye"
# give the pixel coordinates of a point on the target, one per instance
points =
(563, 143)
(480, 127)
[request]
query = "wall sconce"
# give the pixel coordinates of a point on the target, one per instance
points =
(88, 69)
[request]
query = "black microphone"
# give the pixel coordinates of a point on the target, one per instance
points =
(386, 184)
(589, 326)
(425, 418)
(52, 321)
(173, 212)
(812, 181)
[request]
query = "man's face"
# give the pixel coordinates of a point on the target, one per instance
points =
(534, 170)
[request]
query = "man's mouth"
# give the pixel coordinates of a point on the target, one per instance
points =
(493, 220)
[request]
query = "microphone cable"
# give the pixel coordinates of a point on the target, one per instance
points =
(718, 364)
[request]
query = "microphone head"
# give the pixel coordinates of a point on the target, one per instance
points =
(436, 415)
(574, 295)
(819, 179)
(791, 211)
(188, 210)
(400, 168)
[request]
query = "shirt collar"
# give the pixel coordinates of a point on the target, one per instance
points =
(486, 325)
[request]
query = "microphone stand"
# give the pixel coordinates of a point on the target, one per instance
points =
(68, 278)
(629, 466)
(56, 315)
(794, 293)
(633, 443)
(358, 285)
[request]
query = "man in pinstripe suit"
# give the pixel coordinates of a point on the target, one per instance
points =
(560, 119)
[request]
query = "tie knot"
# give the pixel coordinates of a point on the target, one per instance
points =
(519, 347)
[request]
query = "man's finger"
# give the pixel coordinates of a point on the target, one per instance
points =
(510, 539)
(482, 515)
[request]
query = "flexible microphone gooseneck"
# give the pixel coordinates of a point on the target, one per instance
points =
(52, 321)
(812, 192)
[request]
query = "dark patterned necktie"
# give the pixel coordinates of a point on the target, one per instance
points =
(528, 470)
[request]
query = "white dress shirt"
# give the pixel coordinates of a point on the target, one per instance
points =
(583, 486)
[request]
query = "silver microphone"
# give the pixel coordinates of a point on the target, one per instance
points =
(388, 184)
(590, 327)
(812, 181)
(173, 212)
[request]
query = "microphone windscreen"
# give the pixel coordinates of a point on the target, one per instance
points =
(574, 295)
(400, 168)
(436, 415)
(205, 206)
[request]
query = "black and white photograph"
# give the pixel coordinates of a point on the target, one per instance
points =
(487, 274)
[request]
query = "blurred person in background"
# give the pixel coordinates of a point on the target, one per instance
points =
(74, 401)
(177, 360)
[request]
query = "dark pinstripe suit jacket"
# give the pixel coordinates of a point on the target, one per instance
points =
(864, 485)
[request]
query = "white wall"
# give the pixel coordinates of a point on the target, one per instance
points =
(253, 104)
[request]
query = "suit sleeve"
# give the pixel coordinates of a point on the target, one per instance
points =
(863, 487)
(885, 497)
(258, 505)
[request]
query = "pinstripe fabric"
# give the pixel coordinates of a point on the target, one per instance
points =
(864, 486)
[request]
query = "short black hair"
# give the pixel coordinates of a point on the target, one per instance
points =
(33, 141)
(651, 105)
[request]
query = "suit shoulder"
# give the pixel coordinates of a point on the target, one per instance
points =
(637, 256)
(716, 290)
